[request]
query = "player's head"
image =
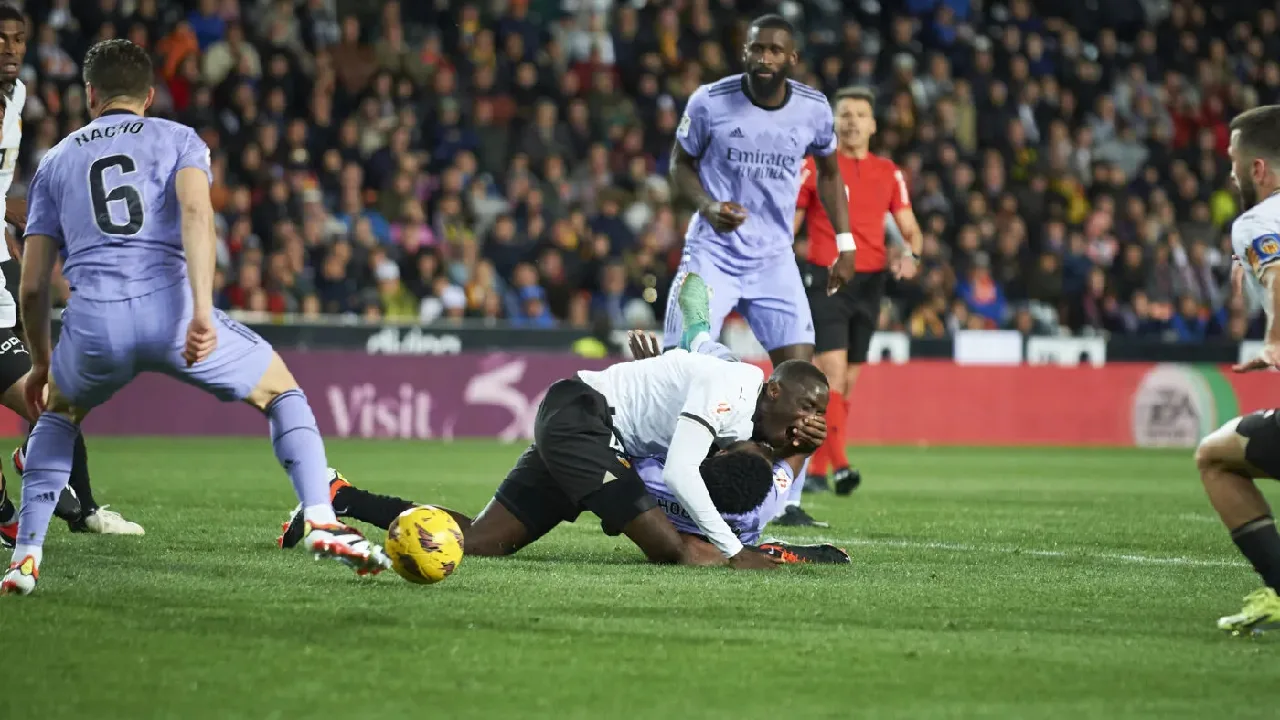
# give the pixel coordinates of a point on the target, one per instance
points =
(1255, 153)
(769, 54)
(13, 43)
(796, 390)
(738, 478)
(118, 74)
(855, 112)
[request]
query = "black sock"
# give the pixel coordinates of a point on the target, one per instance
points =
(79, 481)
(7, 510)
(1259, 542)
(369, 507)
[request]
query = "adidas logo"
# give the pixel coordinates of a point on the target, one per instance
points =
(737, 133)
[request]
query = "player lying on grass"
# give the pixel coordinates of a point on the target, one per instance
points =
(1248, 447)
(126, 200)
(746, 491)
(677, 405)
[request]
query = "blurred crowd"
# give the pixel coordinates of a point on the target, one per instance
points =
(432, 160)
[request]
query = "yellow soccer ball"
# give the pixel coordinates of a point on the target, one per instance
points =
(424, 544)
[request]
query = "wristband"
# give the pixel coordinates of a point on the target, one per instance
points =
(844, 242)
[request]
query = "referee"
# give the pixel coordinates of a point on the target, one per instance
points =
(845, 321)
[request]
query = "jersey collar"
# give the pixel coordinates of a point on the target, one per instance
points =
(116, 111)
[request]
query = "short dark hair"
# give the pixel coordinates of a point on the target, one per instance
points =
(9, 11)
(737, 480)
(774, 22)
(799, 374)
(1260, 131)
(856, 92)
(118, 68)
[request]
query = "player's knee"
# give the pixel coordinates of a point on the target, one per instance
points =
(1221, 447)
(275, 381)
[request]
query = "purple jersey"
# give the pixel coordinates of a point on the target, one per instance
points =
(746, 526)
(106, 193)
(752, 156)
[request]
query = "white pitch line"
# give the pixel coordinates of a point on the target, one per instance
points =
(1011, 550)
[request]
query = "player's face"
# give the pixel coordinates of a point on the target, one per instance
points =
(782, 409)
(768, 57)
(13, 47)
(855, 122)
(1242, 172)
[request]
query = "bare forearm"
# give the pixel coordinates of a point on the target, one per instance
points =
(1273, 300)
(687, 184)
(831, 193)
(34, 301)
(201, 251)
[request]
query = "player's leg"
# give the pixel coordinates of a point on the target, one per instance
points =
(831, 337)
(867, 291)
(244, 367)
(92, 360)
(574, 439)
(1229, 460)
(707, 300)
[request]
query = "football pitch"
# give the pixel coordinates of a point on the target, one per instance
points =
(1023, 583)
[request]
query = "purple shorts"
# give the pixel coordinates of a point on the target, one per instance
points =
(772, 300)
(105, 345)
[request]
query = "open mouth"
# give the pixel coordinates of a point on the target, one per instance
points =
(763, 74)
(8, 66)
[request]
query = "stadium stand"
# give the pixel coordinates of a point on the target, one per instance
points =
(435, 159)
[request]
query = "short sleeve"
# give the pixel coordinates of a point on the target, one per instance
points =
(1260, 242)
(194, 153)
(694, 130)
(722, 398)
(808, 186)
(43, 217)
(824, 136)
(901, 199)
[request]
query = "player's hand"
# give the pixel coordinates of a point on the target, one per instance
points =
(903, 265)
(643, 344)
(202, 338)
(841, 272)
(35, 389)
(15, 213)
(700, 553)
(748, 559)
(809, 434)
(1268, 358)
(724, 216)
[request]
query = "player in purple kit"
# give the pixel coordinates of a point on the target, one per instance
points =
(738, 155)
(126, 199)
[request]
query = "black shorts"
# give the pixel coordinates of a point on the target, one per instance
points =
(15, 361)
(1262, 430)
(12, 270)
(847, 319)
(574, 464)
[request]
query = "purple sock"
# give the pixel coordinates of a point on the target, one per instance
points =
(49, 455)
(299, 448)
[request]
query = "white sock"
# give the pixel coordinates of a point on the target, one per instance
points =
(21, 552)
(698, 339)
(319, 514)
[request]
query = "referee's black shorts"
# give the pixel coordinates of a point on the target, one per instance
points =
(847, 319)
(573, 465)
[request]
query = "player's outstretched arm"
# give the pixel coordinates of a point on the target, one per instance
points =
(689, 447)
(835, 201)
(200, 246)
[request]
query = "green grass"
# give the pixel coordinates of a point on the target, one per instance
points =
(987, 583)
